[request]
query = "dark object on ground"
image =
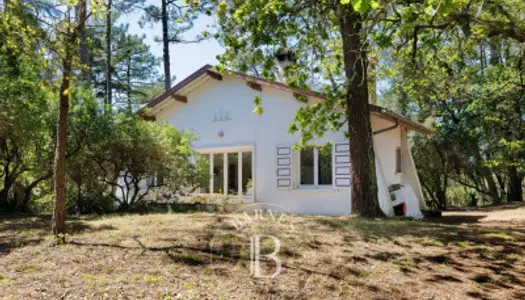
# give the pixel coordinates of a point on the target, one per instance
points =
(435, 213)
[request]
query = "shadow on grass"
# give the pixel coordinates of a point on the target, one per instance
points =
(204, 255)
(488, 208)
(497, 250)
(189, 255)
(443, 233)
(20, 231)
(456, 220)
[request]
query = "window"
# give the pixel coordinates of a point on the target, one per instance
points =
(315, 167)
(399, 169)
(155, 181)
(325, 167)
(150, 181)
(230, 173)
(160, 179)
(247, 178)
(205, 186)
(233, 173)
(218, 173)
(307, 167)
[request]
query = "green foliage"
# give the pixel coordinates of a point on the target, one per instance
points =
(362, 6)
(464, 74)
(135, 68)
(102, 142)
(258, 108)
(454, 65)
(25, 120)
(181, 17)
(136, 151)
(251, 48)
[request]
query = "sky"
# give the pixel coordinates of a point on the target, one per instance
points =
(187, 58)
(184, 58)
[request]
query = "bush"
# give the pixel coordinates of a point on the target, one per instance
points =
(42, 205)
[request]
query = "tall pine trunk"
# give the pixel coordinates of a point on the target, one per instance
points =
(109, 83)
(59, 168)
(128, 75)
(165, 46)
(495, 51)
(362, 156)
(84, 50)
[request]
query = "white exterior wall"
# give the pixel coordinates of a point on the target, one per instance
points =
(409, 170)
(385, 145)
(265, 132)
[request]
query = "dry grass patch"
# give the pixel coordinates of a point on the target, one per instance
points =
(202, 255)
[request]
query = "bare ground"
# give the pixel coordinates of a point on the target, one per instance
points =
(464, 255)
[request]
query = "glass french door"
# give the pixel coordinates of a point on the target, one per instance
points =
(231, 173)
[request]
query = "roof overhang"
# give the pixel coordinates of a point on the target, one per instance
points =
(403, 121)
(180, 91)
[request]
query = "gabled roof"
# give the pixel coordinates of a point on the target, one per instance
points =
(177, 93)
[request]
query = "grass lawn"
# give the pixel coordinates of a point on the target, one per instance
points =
(477, 254)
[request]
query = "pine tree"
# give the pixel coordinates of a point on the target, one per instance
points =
(176, 17)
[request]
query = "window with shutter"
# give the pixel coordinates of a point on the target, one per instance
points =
(315, 167)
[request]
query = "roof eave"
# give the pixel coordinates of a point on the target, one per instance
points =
(406, 122)
(207, 70)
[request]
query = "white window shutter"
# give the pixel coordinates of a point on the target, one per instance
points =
(341, 163)
(284, 167)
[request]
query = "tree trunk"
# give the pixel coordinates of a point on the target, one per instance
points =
(445, 187)
(362, 156)
(27, 198)
(442, 199)
(80, 205)
(493, 188)
(59, 168)
(109, 87)
(59, 165)
(5, 190)
(515, 182)
(84, 50)
(482, 60)
(3, 199)
(495, 52)
(486, 174)
(166, 46)
(128, 75)
(9, 180)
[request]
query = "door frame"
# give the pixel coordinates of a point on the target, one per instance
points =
(211, 151)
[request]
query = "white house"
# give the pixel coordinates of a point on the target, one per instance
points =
(251, 155)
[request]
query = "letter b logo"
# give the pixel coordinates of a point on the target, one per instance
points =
(255, 256)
